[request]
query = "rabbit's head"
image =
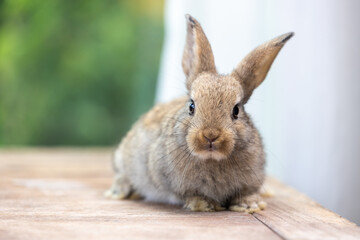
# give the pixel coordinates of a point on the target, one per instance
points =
(216, 119)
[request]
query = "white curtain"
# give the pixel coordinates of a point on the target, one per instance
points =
(307, 109)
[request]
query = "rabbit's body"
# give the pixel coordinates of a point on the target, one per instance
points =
(202, 150)
(157, 164)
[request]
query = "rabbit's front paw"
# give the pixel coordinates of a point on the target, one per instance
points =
(250, 204)
(121, 189)
(199, 204)
(115, 194)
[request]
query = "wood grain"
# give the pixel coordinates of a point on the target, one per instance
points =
(58, 194)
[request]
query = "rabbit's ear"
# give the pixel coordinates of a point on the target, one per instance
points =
(197, 56)
(252, 70)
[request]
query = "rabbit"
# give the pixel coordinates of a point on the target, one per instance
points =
(202, 150)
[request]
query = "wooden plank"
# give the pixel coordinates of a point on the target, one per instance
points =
(293, 215)
(58, 194)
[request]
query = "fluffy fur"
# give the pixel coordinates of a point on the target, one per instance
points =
(208, 159)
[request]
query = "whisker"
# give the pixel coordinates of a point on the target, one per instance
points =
(177, 159)
(188, 163)
(171, 151)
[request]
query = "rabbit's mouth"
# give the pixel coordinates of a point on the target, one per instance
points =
(210, 154)
(210, 144)
(211, 149)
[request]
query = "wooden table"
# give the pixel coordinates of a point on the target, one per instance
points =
(58, 194)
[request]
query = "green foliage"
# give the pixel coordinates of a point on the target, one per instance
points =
(76, 72)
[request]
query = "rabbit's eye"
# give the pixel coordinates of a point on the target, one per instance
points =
(192, 108)
(235, 112)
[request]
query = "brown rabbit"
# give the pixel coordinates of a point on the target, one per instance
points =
(201, 150)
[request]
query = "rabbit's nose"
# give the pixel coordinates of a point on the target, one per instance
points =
(211, 140)
(211, 135)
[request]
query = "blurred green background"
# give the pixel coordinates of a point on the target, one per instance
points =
(76, 72)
